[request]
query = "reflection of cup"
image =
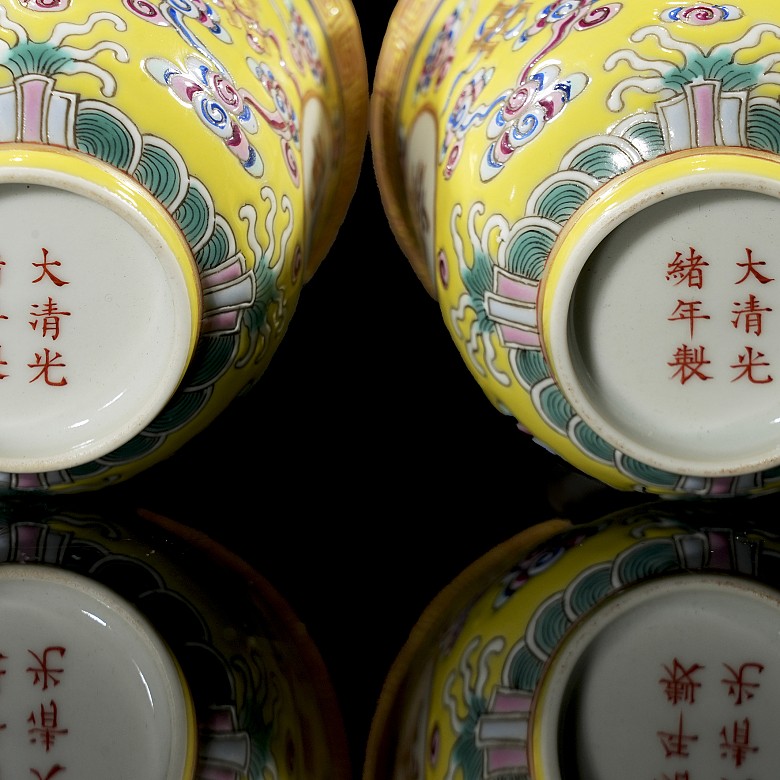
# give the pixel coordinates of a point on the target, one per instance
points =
(135, 646)
(589, 191)
(78, 651)
(641, 642)
(171, 174)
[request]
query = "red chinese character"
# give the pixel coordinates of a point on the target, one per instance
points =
(676, 743)
(46, 362)
(690, 362)
(43, 673)
(751, 268)
(738, 686)
(686, 269)
(688, 310)
(46, 270)
(3, 363)
(45, 728)
(50, 318)
(747, 362)
(679, 684)
(676, 776)
(2, 672)
(739, 745)
(753, 315)
(56, 769)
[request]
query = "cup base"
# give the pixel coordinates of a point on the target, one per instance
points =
(676, 677)
(98, 310)
(86, 685)
(661, 327)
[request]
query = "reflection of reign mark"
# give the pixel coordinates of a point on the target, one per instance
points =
(45, 726)
(737, 745)
(676, 743)
(679, 684)
(43, 673)
(738, 686)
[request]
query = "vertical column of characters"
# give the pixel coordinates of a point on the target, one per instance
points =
(48, 365)
(735, 743)
(686, 270)
(748, 316)
(741, 685)
(3, 672)
(680, 686)
(44, 722)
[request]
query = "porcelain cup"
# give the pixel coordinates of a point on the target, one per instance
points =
(589, 190)
(642, 643)
(172, 172)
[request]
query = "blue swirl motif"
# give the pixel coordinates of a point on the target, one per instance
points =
(219, 104)
(240, 298)
(702, 13)
(491, 735)
(224, 106)
(499, 300)
(174, 12)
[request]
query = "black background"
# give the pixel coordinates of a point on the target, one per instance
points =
(360, 498)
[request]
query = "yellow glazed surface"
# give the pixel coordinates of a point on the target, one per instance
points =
(234, 128)
(503, 132)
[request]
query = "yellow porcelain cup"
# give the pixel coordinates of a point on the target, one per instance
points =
(590, 190)
(171, 173)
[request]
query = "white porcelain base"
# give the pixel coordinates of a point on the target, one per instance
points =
(675, 678)
(97, 313)
(87, 689)
(664, 321)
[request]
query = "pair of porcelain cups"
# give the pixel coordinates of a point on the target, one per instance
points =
(588, 190)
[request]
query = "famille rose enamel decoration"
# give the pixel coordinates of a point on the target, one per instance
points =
(591, 190)
(171, 173)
